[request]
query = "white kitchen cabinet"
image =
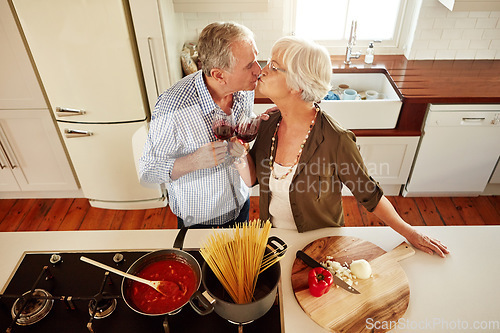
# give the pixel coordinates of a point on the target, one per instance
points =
(493, 187)
(31, 155)
(7, 180)
(19, 88)
(216, 6)
(388, 159)
(261, 108)
(495, 177)
(33, 162)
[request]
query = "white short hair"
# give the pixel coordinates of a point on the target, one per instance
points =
(308, 66)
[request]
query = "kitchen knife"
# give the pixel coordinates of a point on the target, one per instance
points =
(313, 263)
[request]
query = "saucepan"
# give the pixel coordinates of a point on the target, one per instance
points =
(215, 298)
(136, 298)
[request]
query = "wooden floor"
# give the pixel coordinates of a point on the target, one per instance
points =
(77, 214)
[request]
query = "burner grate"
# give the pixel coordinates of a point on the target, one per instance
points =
(74, 285)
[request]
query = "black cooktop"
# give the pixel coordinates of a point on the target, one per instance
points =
(80, 282)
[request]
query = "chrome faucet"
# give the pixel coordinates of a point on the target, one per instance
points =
(352, 41)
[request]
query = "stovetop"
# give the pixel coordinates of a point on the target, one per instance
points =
(72, 279)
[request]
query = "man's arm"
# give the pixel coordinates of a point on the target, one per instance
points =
(207, 156)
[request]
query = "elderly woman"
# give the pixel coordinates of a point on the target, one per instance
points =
(302, 157)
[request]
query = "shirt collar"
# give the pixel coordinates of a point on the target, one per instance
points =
(242, 100)
(206, 101)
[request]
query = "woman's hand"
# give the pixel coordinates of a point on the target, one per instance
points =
(427, 244)
(386, 212)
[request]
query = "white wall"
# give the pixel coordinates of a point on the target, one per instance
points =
(431, 31)
(267, 26)
(442, 34)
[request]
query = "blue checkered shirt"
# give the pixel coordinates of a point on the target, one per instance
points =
(180, 124)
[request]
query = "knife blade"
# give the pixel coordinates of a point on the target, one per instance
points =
(313, 263)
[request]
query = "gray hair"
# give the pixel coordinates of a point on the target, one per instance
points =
(308, 66)
(214, 44)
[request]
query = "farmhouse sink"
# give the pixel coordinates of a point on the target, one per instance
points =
(365, 114)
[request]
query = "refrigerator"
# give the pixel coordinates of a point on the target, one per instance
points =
(101, 72)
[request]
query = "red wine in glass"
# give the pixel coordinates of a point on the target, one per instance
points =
(223, 125)
(246, 136)
(247, 129)
(223, 131)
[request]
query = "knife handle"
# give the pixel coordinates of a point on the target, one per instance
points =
(308, 260)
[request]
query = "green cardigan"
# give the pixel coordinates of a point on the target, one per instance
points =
(330, 160)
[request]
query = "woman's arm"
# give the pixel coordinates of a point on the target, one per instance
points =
(386, 212)
(246, 169)
(238, 149)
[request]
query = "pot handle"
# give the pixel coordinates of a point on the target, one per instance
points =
(179, 239)
(202, 303)
(277, 246)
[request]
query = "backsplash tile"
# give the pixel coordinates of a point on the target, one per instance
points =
(443, 34)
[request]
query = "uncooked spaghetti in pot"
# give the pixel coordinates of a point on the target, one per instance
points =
(236, 257)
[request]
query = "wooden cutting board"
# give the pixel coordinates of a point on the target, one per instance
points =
(384, 297)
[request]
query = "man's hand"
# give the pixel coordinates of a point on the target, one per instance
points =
(210, 154)
(265, 116)
(207, 156)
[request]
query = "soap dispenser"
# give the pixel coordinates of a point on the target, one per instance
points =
(369, 54)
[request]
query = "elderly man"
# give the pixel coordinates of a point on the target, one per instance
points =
(182, 151)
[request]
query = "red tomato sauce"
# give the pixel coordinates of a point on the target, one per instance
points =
(180, 288)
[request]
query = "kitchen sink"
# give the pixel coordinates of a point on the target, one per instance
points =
(381, 113)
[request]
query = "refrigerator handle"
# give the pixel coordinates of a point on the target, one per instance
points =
(71, 133)
(151, 56)
(65, 112)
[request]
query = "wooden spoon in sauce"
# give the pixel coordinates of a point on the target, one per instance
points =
(163, 287)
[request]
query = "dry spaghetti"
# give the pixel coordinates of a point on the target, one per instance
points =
(236, 257)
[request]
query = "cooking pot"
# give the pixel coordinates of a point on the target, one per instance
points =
(161, 255)
(215, 298)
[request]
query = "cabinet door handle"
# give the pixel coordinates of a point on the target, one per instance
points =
(66, 112)
(7, 150)
(72, 133)
(3, 158)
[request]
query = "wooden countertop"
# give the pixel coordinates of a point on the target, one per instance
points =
(428, 81)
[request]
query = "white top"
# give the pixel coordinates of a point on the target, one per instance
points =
(279, 205)
(445, 294)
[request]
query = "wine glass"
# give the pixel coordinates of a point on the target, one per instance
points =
(223, 125)
(246, 131)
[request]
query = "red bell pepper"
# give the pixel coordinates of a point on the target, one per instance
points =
(320, 280)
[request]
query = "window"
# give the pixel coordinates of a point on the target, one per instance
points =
(329, 21)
